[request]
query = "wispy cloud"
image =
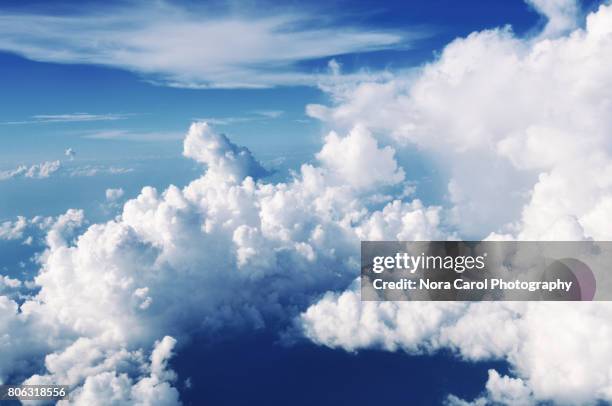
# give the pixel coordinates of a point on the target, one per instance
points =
(196, 47)
(269, 113)
(69, 118)
(94, 170)
(47, 169)
(256, 115)
(129, 135)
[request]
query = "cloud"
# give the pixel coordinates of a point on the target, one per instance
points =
(70, 153)
(257, 115)
(113, 201)
(95, 170)
(494, 114)
(10, 287)
(42, 227)
(346, 158)
(108, 375)
(562, 15)
(502, 390)
(194, 47)
(225, 252)
(128, 135)
(220, 154)
(36, 171)
(269, 113)
(112, 195)
(54, 168)
(495, 111)
(13, 230)
(519, 333)
(519, 127)
(69, 118)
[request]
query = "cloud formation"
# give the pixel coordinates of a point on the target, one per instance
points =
(112, 195)
(495, 113)
(561, 15)
(47, 169)
(520, 127)
(225, 252)
(560, 370)
(195, 46)
(36, 171)
(69, 118)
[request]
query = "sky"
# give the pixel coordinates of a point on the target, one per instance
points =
(185, 184)
(124, 114)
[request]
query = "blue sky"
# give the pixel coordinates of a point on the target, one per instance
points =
(112, 115)
(101, 95)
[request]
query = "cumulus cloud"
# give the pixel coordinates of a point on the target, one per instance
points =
(560, 370)
(13, 230)
(230, 251)
(497, 112)
(38, 226)
(561, 15)
(356, 159)
(219, 153)
(36, 171)
(500, 390)
(194, 46)
(112, 376)
(223, 252)
(9, 286)
(520, 127)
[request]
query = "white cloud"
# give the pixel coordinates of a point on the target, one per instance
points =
(70, 153)
(112, 195)
(128, 135)
(228, 251)
(494, 111)
(9, 286)
(69, 118)
(112, 376)
(271, 114)
(39, 227)
(223, 252)
(522, 128)
(561, 15)
(219, 153)
(256, 115)
(193, 47)
(13, 230)
(355, 159)
(47, 169)
(558, 370)
(500, 390)
(36, 171)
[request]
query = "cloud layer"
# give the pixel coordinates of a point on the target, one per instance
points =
(192, 47)
(518, 127)
(225, 252)
(48, 169)
(521, 129)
